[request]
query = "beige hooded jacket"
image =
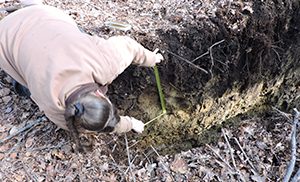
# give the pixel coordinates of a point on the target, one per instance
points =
(42, 48)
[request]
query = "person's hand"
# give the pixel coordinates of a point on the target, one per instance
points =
(137, 125)
(158, 56)
(127, 124)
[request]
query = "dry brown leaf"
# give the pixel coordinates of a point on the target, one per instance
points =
(179, 166)
(50, 170)
(1, 156)
(4, 92)
(29, 142)
(59, 154)
(6, 99)
(13, 155)
(111, 178)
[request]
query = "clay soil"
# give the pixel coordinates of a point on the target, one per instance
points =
(230, 78)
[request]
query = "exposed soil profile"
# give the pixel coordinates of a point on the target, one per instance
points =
(251, 59)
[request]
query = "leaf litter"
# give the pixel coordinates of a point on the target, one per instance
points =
(252, 151)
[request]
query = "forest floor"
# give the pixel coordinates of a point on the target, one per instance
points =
(230, 77)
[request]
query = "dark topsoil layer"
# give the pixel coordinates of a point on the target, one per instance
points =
(263, 47)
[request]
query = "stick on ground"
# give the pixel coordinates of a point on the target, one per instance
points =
(242, 177)
(291, 165)
(28, 126)
(187, 61)
(154, 119)
(296, 177)
(128, 156)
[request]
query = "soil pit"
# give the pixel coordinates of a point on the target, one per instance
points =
(216, 70)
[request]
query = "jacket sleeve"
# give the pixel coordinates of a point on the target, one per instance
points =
(125, 125)
(132, 52)
(118, 53)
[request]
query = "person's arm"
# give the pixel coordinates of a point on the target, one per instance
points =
(133, 52)
(119, 52)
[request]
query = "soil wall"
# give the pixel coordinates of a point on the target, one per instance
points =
(237, 64)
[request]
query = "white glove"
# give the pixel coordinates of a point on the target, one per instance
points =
(158, 56)
(127, 124)
(137, 125)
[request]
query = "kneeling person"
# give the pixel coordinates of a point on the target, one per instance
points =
(67, 71)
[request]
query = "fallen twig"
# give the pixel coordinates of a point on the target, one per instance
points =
(165, 167)
(154, 119)
(130, 164)
(253, 169)
(29, 126)
(128, 157)
(146, 158)
(230, 148)
(187, 61)
(118, 167)
(286, 115)
(28, 174)
(232, 156)
(291, 165)
(20, 139)
(221, 158)
(206, 53)
(132, 145)
(246, 156)
(211, 55)
(296, 178)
